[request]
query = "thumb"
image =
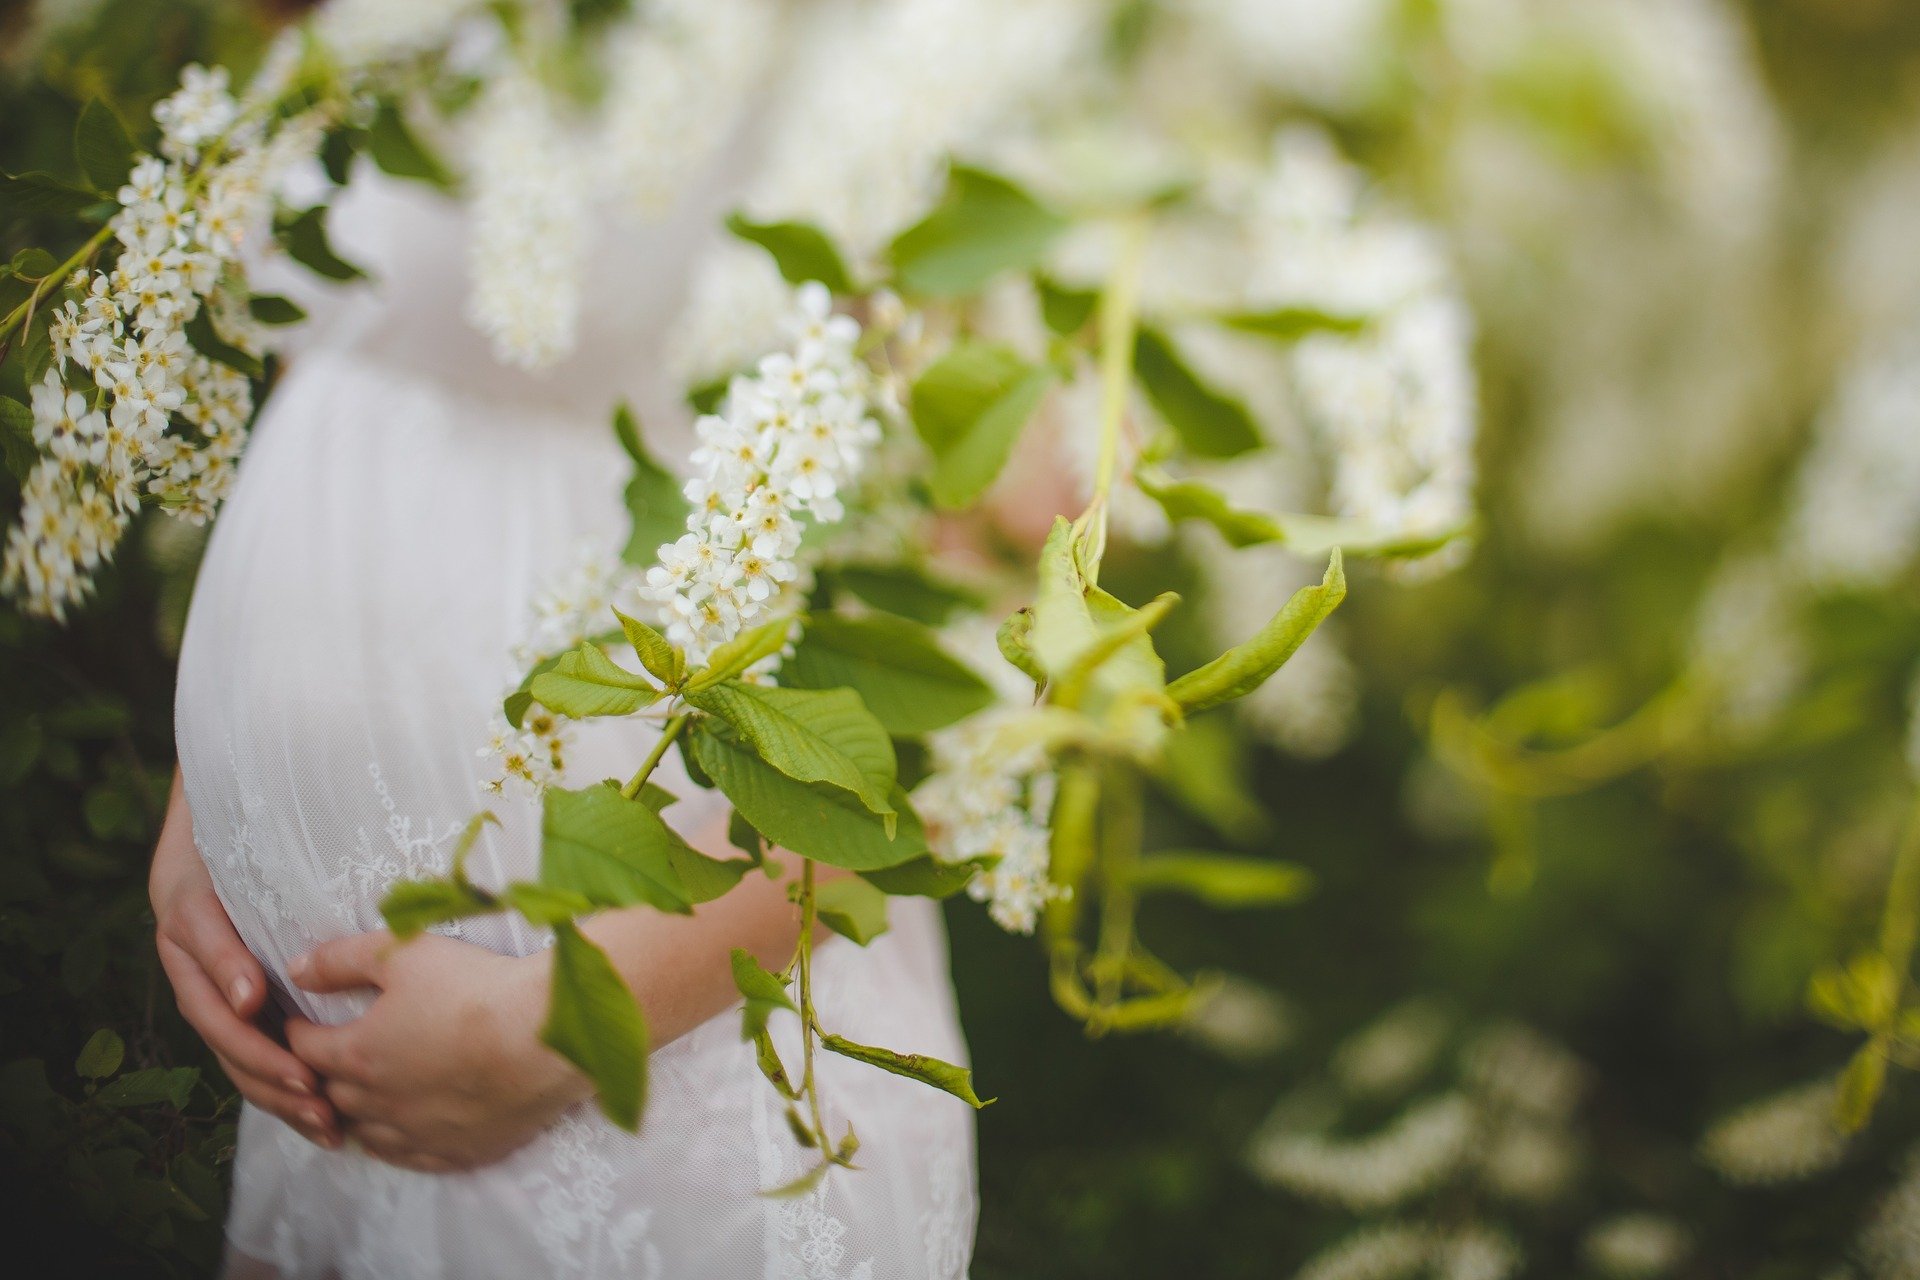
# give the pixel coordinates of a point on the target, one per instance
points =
(346, 964)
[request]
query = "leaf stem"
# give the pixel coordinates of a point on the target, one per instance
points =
(807, 1083)
(52, 280)
(668, 733)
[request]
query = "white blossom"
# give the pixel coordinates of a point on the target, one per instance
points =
(1787, 1137)
(1636, 1246)
(1414, 1154)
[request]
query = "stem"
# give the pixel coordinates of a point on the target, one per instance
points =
(52, 280)
(1119, 321)
(1120, 847)
(807, 1083)
(668, 733)
(1900, 925)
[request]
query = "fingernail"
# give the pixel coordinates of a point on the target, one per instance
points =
(317, 1118)
(242, 988)
(297, 1085)
(298, 968)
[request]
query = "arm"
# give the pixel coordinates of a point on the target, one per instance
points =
(219, 986)
(446, 1070)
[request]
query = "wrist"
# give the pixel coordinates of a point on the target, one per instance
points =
(521, 1014)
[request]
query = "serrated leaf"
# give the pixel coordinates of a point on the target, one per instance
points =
(395, 147)
(16, 437)
(208, 342)
(944, 1076)
(928, 877)
(585, 682)
(271, 308)
(852, 908)
(517, 703)
(736, 655)
(411, 906)
(970, 406)
(898, 668)
(656, 506)
(1014, 639)
(611, 850)
(1222, 880)
(810, 735)
(150, 1087)
(102, 147)
(1308, 535)
(304, 236)
(708, 878)
(594, 1022)
(660, 656)
(742, 836)
(814, 820)
(1210, 424)
(762, 991)
(1245, 667)
(102, 1055)
(801, 252)
(905, 590)
(982, 226)
(545, 906)
(43, 195)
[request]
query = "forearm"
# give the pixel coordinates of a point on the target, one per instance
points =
(679, 966)
(176, 863)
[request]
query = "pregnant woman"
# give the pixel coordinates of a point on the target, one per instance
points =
(406, 498)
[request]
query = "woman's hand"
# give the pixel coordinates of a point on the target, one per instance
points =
(219, 986)
(446, 1071)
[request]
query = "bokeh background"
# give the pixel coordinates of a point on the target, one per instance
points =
(1554, 1013)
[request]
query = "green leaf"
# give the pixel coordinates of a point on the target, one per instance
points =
(656, 797)
(1014, 638)
(1063, 626)
(42, 195)
(1290, 324)
(304, 236)
(800, 1186)
(957, 1081)
(810, 735)
(969, 406)
(412, 905)
(1065, 309)
(655, 504)
(1221, 880)
(585, 682)
(742, 836)
(1123, 635)
(905, 590)
(1245, 667)
(101, 1056)
(33, 263)
(102, 147)
(928, 877)
(611, 850)
(155, 1085)
(762, 992)
(544, 906)
(271, 308)
(594, 1022)
(1210, 424)
(815, 821)
(852, 908)
(517, 703)
(1860, 1087)
(897, 667)
(337, 150)
(16, 437)
(1308, 535)
(208, 342)
(395, 147)
(708, 878)
(801, 252)
(662, 658)
(741, 652)
(983, 225)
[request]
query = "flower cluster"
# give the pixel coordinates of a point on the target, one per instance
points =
(788, 440)
(129, 410)
(990, 797)
(533, 755)
(1783, 1138)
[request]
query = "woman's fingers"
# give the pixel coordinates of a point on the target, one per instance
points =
(227, 1033)
(347, 964)
(311, 1117)
(198, 924)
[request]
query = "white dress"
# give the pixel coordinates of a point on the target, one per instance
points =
(403, 500)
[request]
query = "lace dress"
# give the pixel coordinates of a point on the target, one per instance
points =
(403, 500)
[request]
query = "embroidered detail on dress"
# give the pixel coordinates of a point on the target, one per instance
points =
(245, 865)
(368, 872)
(579, 1233)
